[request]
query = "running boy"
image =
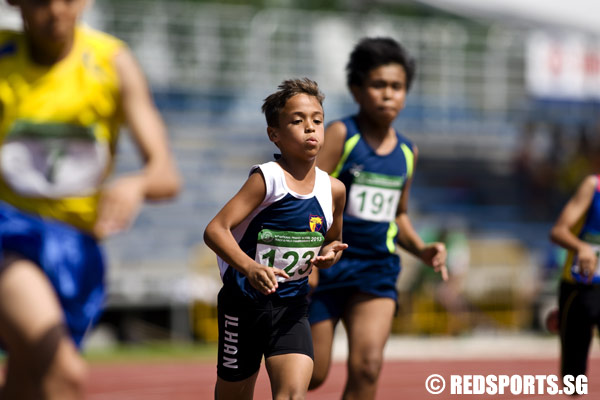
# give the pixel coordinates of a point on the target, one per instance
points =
(285, 219)
(64, 91)
(376, 165)
(578, 230)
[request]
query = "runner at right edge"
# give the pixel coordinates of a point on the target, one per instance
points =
(577, 229)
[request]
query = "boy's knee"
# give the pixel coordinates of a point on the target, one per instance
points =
(292, 395)
(292, 390)
(368, 369)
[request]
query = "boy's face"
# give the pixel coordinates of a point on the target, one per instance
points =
(50, 21)
(300, 131)
(383, 93)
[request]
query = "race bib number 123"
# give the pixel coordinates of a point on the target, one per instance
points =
(289, 251)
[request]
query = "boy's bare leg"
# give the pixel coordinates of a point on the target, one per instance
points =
(289, 375)
(368, 322)
(43, 361)
(322, 333)
(242, 390)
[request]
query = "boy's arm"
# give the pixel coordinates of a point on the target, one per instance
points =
(219, 238)
(333, 147)
(333, 246)
(158, 179)
(433, 254)
(561, 233)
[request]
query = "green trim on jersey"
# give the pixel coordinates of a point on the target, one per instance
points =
(408, 154)
(348, 147)
(49, 130)
(391, 237)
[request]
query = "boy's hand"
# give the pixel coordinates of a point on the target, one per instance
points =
(434, 254)
(588, 261)
(330, 257)
(119, 205)
(264, 279)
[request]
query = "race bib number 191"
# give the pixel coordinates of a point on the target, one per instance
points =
(374, 197)
(289, 251)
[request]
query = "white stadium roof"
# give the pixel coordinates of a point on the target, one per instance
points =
(581, 15)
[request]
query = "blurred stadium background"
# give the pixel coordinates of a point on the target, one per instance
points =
(504, 111)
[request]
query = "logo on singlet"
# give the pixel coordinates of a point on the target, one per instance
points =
(356, 169)
(315, 222)
(92, 66)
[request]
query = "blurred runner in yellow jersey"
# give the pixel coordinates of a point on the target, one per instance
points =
(65, 89)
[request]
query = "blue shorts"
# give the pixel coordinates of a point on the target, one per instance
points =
(375, 276)
(72, 261)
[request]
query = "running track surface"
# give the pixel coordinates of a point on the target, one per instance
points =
(399, 380)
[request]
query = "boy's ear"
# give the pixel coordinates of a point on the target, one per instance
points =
(273, 134)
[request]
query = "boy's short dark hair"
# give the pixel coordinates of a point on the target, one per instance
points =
(371, 53)
(275, 102)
